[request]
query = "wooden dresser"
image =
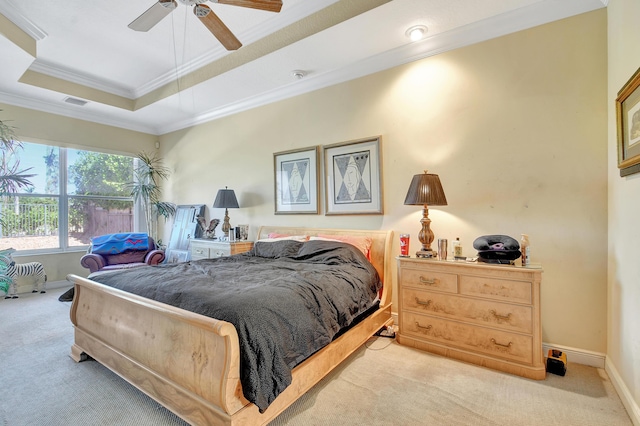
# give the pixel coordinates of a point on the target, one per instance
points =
(483, 314)
(207, 249)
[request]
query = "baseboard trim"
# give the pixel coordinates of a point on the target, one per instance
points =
(633, 410)
(579, 356)
(50, 286)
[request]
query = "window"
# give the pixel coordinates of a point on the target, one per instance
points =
(75, 195)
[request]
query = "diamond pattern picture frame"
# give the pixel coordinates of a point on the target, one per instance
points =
(296, 180)
(353, 177)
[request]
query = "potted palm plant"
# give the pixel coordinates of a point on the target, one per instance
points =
(145, 189)
(11, 180)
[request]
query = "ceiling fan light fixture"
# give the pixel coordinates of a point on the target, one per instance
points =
(417, 32)
(169, 4)
(201, 11)
(192, 2)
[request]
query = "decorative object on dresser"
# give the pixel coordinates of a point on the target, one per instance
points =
(482, 314)
(243, 232)
(501, 249)
(208, 249)
(296, 181)
(425, 190)
(208, 231)
(353, 177)
(226, 199)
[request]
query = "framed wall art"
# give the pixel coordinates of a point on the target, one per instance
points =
(296, 181)
(353, 177)
(628, 124)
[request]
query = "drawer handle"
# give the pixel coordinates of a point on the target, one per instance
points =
(508, 345)
(423, 303)
(427, 328)
(198, 251)
(501, 317)
(428, 281)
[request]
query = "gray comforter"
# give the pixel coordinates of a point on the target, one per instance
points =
(286, 299)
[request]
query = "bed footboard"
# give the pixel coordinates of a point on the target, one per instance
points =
(187, 362)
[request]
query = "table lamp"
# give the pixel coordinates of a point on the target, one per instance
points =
(425, 190)
(226, 199)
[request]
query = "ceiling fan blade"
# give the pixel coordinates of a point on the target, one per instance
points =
(268, 5)
(153, 15)
(217, 27)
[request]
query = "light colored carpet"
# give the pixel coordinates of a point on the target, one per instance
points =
(381, 384)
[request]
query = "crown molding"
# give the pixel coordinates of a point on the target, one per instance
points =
(24, 23)
(76, 112)
(75, 77)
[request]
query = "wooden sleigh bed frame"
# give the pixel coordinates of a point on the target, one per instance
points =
(190, 363)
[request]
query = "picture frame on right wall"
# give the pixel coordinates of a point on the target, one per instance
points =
(628, 126)
(353, 177)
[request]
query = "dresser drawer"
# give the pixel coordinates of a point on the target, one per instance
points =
(199, 252)
(429, 280)
(497, 289)
(219, 251)
(483, 312)
(208, 249)
(497, 343)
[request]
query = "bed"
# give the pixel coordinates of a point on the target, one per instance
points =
(190, 363)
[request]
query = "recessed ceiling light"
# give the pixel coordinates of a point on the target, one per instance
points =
(298, 74)
(417, 32)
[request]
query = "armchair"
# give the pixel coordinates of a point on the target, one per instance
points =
(128, 259)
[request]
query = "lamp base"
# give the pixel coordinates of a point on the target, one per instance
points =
(226, 226)
(427, 254)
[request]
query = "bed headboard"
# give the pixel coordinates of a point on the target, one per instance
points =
(380, 247)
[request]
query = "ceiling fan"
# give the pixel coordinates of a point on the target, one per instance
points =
(162, 8)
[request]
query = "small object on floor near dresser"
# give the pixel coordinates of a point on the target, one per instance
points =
(557, 362)
(208, 249)
(479, 313)
(387, 331)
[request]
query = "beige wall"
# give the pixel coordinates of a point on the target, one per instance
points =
(623, 343)
(516, 128)
(41, 127)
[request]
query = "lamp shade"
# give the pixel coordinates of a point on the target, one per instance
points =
(226, 199)
(425, 189)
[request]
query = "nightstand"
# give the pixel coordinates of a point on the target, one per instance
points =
(479, 313)
(207, 249)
